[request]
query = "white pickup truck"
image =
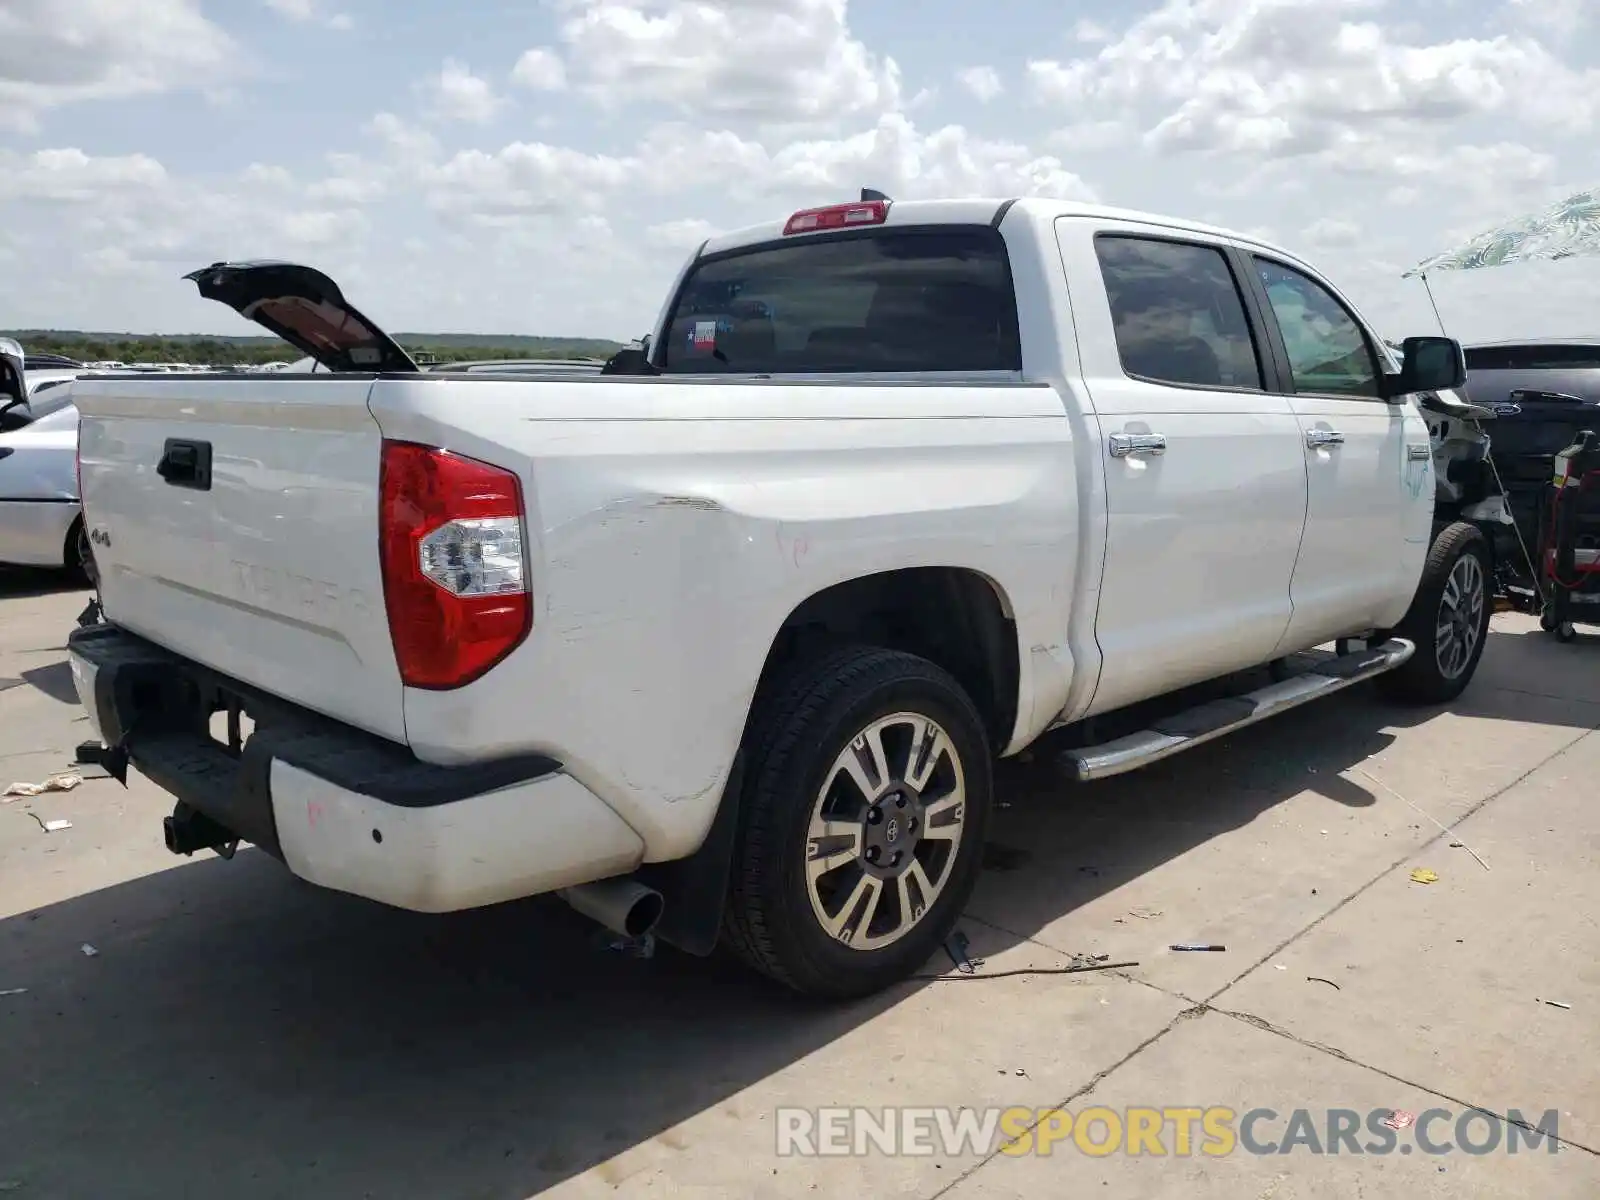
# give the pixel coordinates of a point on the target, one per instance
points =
(722, 643)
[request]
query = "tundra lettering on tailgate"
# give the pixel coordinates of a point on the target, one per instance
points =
(294, 595)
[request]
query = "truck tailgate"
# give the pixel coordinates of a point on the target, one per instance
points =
(264, 566)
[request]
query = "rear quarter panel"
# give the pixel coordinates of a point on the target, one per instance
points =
(675, 524)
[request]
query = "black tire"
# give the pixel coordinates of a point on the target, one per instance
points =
(77, 558)
(1425, 679)
(795, 736)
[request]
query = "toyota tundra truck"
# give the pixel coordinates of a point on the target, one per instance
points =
(721, 643)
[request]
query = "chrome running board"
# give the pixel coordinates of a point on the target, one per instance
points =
(1207, 722)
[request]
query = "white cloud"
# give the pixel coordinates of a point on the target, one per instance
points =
(400, 141)
(456, 94)
(1563, 18)
(58, 52)
(780, 63)
(540, 70)
(268, 175)
(893, 156)
(982, 83)
(309, 12)
(681, 235)
(1333, 233)
(1293, 77)
(71, 176)
(524, 179)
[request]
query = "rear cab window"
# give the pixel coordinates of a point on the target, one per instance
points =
(909, 299)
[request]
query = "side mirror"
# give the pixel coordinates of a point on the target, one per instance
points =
(1428, 364)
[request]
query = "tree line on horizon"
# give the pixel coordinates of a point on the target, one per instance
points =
(217, 350)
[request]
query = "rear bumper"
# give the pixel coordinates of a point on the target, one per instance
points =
(341, 808)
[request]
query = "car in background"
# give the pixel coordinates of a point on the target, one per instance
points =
(13, 383)
(40, 521)
(51, 362)
(1543, 392)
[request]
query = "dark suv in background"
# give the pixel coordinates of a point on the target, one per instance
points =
(1542, 394)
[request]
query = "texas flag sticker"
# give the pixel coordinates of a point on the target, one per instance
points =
(704, 335)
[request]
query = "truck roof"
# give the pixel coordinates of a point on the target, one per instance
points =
(982, 210)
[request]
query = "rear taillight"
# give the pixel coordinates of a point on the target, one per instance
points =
(454, 574)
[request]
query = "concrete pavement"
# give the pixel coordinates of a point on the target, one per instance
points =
(240, 1034)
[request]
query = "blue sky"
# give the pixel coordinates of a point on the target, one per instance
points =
(542, 167)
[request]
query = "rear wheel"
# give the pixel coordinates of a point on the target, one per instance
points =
(76, 555)
(862, 824)
(1448, 621)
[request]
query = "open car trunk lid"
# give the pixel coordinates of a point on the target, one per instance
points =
(234, 519)
(306, 309)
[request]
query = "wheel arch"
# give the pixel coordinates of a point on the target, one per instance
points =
(958, 618)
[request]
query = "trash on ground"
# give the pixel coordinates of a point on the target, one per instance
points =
(1196, 947)
(13, 992)
(88, 950)
(1320, 979)
(1145, 914)
(1400, 1119)
(958, 948)
(1554, 1003)
(643, 946)
(1280, 966)
(64, 782)
(55, 826)
(1423, 875)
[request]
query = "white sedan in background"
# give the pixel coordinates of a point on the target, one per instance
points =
(39, 510)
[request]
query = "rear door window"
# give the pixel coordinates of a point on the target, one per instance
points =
(1178, 313)
(934, 298)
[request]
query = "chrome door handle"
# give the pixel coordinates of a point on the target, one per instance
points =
(1324, 437)
(1124, 445)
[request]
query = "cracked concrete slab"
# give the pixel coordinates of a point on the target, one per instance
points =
(1217, 1061)
(1246, 842)
(1443, 983)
